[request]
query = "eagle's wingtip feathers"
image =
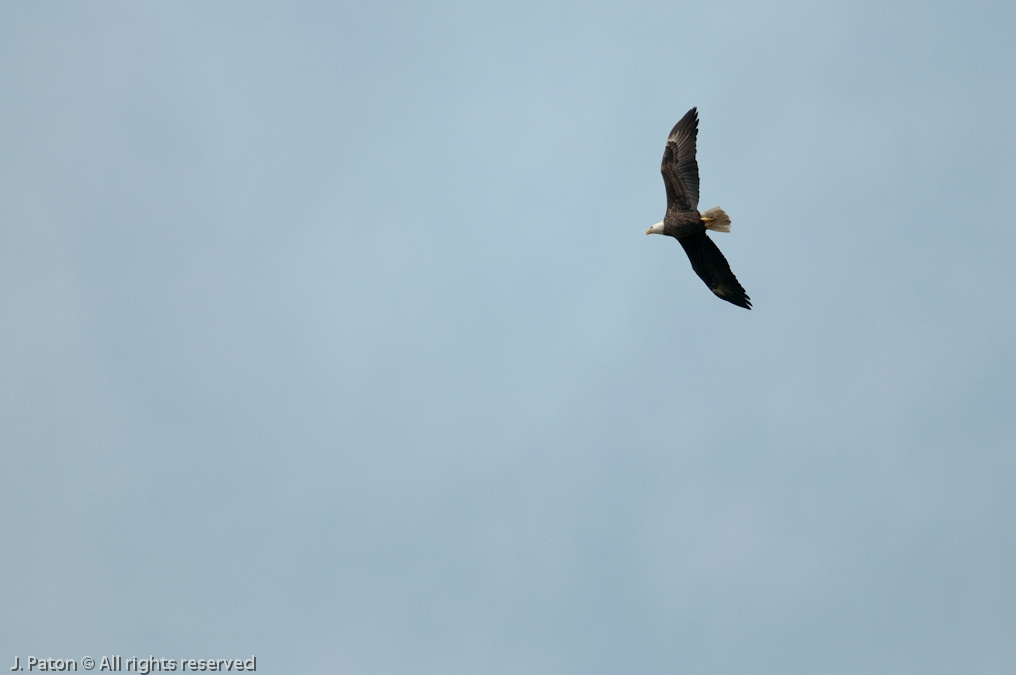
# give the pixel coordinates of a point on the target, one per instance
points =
(731, 296)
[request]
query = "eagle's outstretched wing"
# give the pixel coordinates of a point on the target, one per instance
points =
(679, 168)
(709, 263)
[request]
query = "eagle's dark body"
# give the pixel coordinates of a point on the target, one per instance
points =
(683, 220)
(680, 224)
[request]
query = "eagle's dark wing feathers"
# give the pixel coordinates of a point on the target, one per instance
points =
(709, 263)
(679, 168)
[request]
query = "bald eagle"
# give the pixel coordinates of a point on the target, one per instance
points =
(685, 223)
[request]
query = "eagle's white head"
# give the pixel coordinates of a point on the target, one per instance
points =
(655, 229)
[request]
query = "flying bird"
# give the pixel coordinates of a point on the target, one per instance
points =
(685, 223)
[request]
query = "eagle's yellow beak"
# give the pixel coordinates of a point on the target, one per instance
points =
(649, 231)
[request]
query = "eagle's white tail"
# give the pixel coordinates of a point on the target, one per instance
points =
(716, 219)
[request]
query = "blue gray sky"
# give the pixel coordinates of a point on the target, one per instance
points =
(330, 333)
